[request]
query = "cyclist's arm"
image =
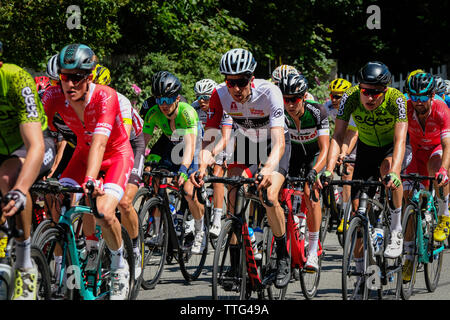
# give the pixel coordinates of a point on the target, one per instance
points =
(336, 143)
(127, 128)
(95, 156)
(445, 142)
(400, 131)
(61, 145)
(324, 143)
(278, 146)
(147, 138)
(189, 149)
(33, 139)
(350, 139)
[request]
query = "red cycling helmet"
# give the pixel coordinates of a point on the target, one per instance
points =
(42, 83)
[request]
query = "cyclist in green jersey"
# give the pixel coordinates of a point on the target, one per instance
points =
(379, 113)
(181, 133)
(24, 155)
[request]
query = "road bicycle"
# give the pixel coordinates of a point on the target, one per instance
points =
(236, 272)
(70, 278)
(297, 236)
(163, 240)
(364, 266)
(419, 222)
(7, 257)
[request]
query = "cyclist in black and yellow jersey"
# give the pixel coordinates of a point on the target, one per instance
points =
(379, 112)
(26, 152)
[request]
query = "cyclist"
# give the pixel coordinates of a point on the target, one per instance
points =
(26, 153)
(429, 131)
(379, 112)
(256, 107)
(441, 88)
(52, 70)
(203, 90)
(410, 75)
(337, 87)
(133, 125)
(284, 70)
(307, 122)
(181, 128)
(92, 112)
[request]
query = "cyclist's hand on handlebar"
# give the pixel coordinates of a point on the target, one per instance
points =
(311, 177)
(98, 186)
(15, 201)
(392, 181)
(324, 179)
(266, 180)
(196, 178)
(340, 159)
(441, 177)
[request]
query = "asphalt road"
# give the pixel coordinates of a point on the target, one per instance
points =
(172, 285)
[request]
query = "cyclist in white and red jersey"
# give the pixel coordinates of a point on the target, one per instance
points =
(256, 107)
(429, 132)
(92, 112)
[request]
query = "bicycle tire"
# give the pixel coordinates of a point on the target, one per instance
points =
(223, 283)
(44, 288)
(309, 282)
(353, 283)
(432, 270)
(155, 254)
(191, 265)
(47, 242)
(409, 227)
(138, 281)
(139, 200)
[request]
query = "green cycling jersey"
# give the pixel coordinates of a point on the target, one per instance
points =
(375, 128)
(19, 104)
(186, 122)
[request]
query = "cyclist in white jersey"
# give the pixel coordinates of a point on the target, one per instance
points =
(256, 107)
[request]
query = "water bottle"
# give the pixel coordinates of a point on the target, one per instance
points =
(297, 200)
(173, 212)
(256, 252)
(6, 279)
(378, 237)
(301, 225)
(259, 235)
(82, 250)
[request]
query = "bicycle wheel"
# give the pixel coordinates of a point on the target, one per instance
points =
(142, 195)
(432, 270)
(410, 259)
(228, 283)
(40, 229)
(309, 281)
(62, 281)
(353, 271)
(155, 242)
(44, 285)
(191, 265)
(269, 264)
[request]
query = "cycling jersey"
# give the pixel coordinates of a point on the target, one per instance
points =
(130, 116)
(203, 116)
(19, 104)
(437, 126)
(263, 110)
(313, 124)
(375, 128)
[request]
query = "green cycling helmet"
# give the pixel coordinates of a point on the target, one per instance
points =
(76, 56)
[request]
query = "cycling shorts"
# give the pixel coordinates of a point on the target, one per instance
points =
(419, 164)
(117, 172)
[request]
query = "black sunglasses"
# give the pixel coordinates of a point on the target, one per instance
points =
(241, 82)
(74, 77)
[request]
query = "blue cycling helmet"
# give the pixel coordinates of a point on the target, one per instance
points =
(421, 84)
(76, 56)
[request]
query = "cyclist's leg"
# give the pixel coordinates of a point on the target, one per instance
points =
(219, 193)
(434, 164)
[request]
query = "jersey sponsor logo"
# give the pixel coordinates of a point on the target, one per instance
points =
(237, 114)
(252, 123)
(278, 113)
(401, 108)
(233, 106)
(304, 135)
(257, 111)
(28, 96)
(369, 120)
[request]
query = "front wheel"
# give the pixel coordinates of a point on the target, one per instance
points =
(410, 259)
(435, 251)
(44, 286)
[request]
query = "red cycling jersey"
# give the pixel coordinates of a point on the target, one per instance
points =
(437, 126)
(101, 116)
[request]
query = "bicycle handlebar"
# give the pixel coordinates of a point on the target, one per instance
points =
(339, 171)
(296, 180)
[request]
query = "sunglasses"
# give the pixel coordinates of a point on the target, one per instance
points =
(419, 98)
(74, 77)
(294, 100)
(167, 100)
(335, 96)
(372, 92)
(241, 82)
(204, 97)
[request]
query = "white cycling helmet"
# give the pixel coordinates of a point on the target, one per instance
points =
(447, 86)
(52, 68)
(204, 86)
(282, 72)
(237, 61)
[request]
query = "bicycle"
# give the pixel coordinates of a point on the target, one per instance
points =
(7, 257)
(236, 273)
(418, 223)
(297, 240)
(164, 241)
(70, 279)
(364, 266)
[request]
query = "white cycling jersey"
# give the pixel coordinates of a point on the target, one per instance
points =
(130, 116)
(254, 118)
